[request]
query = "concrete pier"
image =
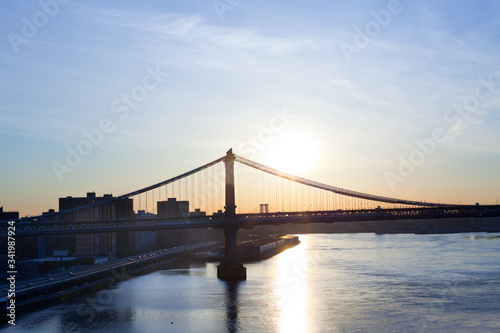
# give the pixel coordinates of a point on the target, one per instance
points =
(231, 268)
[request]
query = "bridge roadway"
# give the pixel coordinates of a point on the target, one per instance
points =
(59, 284)
(39, 228)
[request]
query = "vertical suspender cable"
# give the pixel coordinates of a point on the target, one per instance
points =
(207, 196)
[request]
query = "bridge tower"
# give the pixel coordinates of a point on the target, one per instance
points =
(231, 268)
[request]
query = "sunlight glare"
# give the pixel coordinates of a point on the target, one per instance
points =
(292, 290)
(294, 152)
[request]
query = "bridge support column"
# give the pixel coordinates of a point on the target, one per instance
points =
(230, 268)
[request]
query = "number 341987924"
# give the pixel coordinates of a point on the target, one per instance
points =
(11, 242)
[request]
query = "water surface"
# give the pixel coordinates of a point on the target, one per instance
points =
(329, 283)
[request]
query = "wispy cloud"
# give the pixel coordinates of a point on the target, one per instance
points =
(225, 77)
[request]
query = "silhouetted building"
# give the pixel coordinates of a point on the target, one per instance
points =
(218, 213)
(197, 213)
(8, 215)
(48, 244)
(99, 244)
(172, 208)
(145, 240)
(51, 211)
(25, 249)
(114, 210)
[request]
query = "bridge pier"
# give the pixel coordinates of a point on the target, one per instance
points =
(231, 268)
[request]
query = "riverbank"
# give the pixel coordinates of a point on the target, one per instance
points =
(31, 294)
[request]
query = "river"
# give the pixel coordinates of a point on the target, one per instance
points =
(328, 283)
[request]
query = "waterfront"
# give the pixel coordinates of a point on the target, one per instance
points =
(330, 282)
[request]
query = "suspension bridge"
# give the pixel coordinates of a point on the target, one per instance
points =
(265, 196)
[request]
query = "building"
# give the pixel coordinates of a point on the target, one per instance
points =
(47, 245)
(115, 210)
(145, 240)
(197, 213)
(99, 244)
(4, 216)
(173, 208)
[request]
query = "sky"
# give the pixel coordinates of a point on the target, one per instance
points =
(393, 98)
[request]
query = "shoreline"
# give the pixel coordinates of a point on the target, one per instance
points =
(104, 279)
(109, 278)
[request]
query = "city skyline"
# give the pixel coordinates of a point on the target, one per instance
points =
(394, 98)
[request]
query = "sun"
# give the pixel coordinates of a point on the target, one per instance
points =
(294, 152)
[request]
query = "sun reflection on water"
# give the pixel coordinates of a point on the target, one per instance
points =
(292, 290)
